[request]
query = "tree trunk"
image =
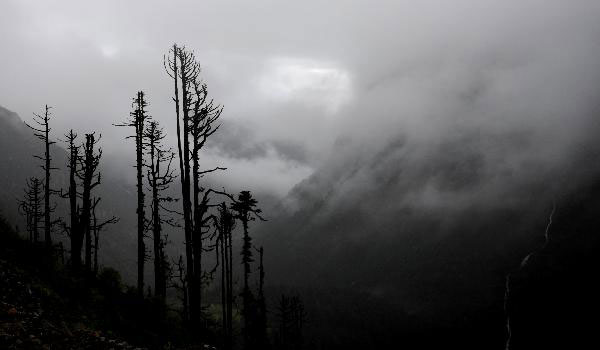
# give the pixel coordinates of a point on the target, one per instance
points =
(246, 293)
(84, 223)
(183, 152)
(36, 211)
(96, 241)
(75, 248)
(230, 290)
(223, 288)
(47, 223)
(141, 254)
(159, 270)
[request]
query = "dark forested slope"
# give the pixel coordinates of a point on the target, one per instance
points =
(434, 230)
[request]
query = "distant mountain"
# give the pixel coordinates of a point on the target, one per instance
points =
(18, 146)
(431, 230)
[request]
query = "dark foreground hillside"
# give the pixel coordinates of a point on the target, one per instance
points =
(33, 316)
(42, 306)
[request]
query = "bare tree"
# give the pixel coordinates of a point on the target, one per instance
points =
(204, 118)
(42, 131)
(182, 287)
(24, 206)
(90, 177)
(73, 229)
(180, 68)
(196, 118)
(159, 180)
(31, 207)
(96, 227)
(138, 120)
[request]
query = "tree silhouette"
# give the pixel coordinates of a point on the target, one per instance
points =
(196, 117)
(181, 68)
(245, 210)
(96, 227)
(42, 131)
(31, 207)
(25, 209)
(73, 229)
(225, 224)
(138, 120)
(90, 177)
(204, 116)
(159, 180)
(261, 326)
(183, 288)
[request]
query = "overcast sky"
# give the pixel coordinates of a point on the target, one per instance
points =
(296, 77)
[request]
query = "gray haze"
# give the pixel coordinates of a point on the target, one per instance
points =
(410, 149)
(295, 77)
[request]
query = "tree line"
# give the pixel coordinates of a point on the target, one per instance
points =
(208, 217)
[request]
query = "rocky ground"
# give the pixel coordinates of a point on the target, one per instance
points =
(32, 316)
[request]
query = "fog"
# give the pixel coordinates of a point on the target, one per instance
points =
(408, 150)
(297, 77)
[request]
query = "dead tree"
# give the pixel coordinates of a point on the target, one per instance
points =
(31, 207)
(73, 229)
(204, 118)
(245, 210)
(182, 287)
(196, 117)
(24, 208)
(159, 180)
(90, 178)
(138, 120)
(181, 69)
(98, 226)
(42, 131)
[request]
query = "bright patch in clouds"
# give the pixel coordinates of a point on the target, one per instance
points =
(109, 51)
(306, 81)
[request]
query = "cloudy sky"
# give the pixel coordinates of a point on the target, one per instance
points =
(299, 77)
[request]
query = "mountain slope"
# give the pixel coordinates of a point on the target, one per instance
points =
(18, 145)
(432, 229)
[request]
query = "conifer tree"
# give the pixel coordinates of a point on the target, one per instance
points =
(245, 210)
